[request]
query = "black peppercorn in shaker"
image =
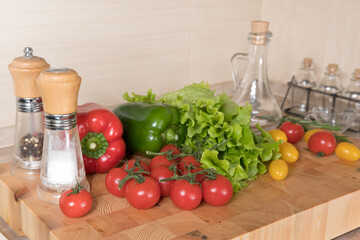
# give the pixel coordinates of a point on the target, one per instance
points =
(29, 125)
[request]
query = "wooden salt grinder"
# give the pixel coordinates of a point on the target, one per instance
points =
(59, 89)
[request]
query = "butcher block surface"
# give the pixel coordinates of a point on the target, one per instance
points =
(320, 199)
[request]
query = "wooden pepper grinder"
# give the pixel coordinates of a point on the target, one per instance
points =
(29, 125)
(62, 164)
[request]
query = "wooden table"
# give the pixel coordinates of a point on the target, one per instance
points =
(319, 200)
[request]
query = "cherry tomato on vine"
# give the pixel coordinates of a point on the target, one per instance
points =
(170, 147)
(198, 178)
(161, 172)
(278, 135)
(278, 169)
(217, 192)
(323, 143)
(75, 202)
(294, 132)
(160, 160)
(142, 195)
(130, 164)
(288, 152)
(347, 151)
(185, 195)
(186, 161)
(113, 177)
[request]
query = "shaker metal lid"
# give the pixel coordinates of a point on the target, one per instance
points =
(29, 61)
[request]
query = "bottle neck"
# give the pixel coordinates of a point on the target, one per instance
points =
(257, 59)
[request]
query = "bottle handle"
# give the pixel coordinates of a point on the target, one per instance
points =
(234, 65)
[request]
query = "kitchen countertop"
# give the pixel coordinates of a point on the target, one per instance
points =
(6, 138)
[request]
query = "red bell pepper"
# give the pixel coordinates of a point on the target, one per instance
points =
(100, 132)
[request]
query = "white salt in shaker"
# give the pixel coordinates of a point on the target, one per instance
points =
(29, 125)
(62, 164)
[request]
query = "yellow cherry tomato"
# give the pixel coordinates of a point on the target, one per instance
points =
(308, 134)
(278, 135)
(347, 151)
(288, 152)
(278, 169)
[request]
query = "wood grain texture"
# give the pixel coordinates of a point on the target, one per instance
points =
(318, 200)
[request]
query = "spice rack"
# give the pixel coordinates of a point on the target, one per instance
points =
(311, 91)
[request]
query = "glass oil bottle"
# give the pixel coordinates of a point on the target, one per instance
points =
(254, 87)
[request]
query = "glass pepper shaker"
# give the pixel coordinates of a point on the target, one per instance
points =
(29, 125)
(306, 78)
(330, 84)
(62, 165)
(254, 87)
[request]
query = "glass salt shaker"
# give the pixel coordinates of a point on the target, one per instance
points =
(254, 87)
(352, 91)
(301, 99)
(62, 164)
(330, 84)
(29, 125)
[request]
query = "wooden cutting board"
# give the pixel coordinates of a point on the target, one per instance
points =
(320, 199)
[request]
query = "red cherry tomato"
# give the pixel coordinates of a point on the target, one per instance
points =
(130, 164)
(161, 172)
(185, 195)
(142, 195)
(294, 132)
(113, 177)
(170, 147)
(186, 161)
(160, 160)
(75, 205)
(174, 149)
(322, 142)
(217, 192)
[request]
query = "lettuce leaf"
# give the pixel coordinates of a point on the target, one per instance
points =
(220, 131)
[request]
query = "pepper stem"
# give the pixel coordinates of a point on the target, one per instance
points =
(94, 145)
(170, 135)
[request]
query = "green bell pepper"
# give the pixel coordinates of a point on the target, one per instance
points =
(149, 126)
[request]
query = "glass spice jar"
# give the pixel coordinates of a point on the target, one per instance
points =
(330, 84)
(29, 124)
(301, 99)
(62, 163)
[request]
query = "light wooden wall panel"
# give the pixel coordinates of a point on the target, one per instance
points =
(124, 45)
(325, 30)
(218, 30)
(114, 45)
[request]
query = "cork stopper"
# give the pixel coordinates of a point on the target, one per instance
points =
(59, 89)
(357, 74)
(259, 26)
(259, 30)
(307, 62)
(24, 71)
(332, 68)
